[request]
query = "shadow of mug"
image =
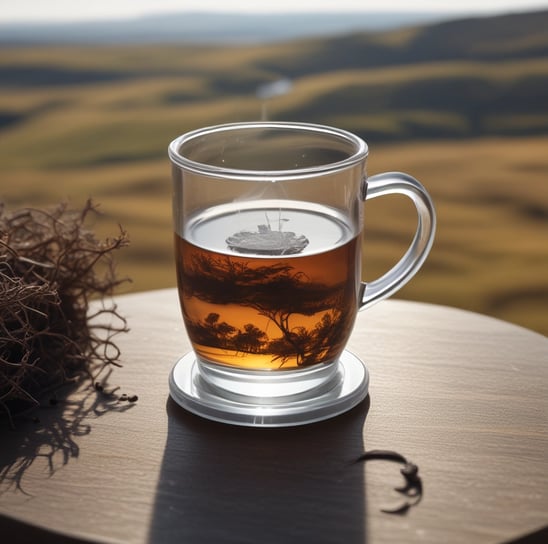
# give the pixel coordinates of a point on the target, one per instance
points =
(222, 483)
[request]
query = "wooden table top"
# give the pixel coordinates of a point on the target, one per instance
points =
(463, 396)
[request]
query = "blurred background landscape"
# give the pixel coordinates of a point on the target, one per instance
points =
(459, 102)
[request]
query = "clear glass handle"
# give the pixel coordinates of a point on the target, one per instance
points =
(409, 264)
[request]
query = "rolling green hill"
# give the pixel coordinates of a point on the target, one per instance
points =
(461, 105)
(469, 78)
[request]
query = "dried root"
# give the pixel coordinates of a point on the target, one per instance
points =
(51, 267)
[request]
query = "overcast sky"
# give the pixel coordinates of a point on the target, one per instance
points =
(66, 10)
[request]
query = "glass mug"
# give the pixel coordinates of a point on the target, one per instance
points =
(268, 222)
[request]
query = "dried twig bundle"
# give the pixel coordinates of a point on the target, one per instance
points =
(51, 267)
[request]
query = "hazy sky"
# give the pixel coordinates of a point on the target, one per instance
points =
(62, 10)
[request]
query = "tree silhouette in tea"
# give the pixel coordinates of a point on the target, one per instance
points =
(275, 290)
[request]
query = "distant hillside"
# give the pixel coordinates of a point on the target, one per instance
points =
(470, 77)
(498, 38)
(464, 78)
(213, 28)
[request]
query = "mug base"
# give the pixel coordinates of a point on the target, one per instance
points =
(349, 387)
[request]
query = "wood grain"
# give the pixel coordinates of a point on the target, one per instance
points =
(462, 395)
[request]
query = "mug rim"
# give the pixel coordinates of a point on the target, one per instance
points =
(177, 158)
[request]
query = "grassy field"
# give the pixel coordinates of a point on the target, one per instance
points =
(105, 134)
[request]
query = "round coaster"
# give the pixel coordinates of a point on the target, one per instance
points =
(188, 389)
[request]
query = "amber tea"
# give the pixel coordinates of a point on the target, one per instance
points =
(268, 289)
